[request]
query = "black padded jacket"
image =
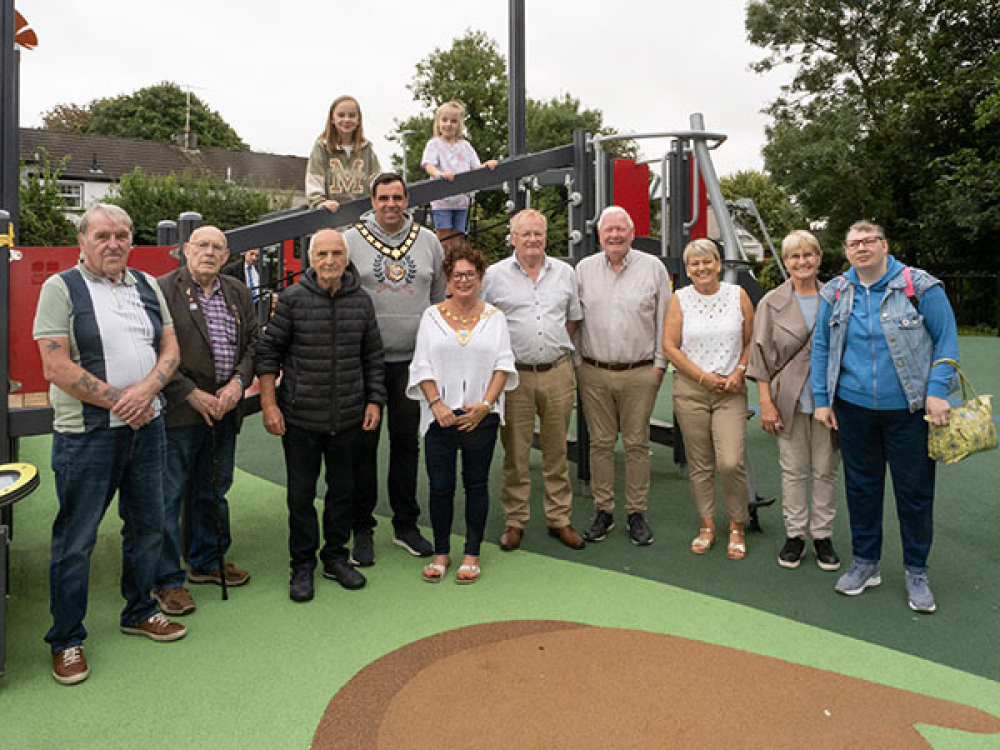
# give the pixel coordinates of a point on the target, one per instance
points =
(328, 351)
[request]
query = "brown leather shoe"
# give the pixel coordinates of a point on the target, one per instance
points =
(69, 667)
(568, 536)
(234, 576)
(511, 539)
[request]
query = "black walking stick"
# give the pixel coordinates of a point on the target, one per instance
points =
(217, 509)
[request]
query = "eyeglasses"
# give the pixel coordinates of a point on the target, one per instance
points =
(465, 275)
(205, 245)
(866, 241)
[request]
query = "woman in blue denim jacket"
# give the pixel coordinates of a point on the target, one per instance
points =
(872, 380)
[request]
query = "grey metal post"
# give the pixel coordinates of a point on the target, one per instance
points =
(516, 97)
(731, 243)
(10, 171)
(166, 233)
(187, 222)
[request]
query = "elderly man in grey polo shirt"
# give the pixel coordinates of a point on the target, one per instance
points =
(538, 295)
(624, 295)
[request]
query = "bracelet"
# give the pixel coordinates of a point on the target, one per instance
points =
(488, 405)
(701, 378)
(430, 404)
(741, 367)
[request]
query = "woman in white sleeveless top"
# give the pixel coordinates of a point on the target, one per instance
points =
(706, 337)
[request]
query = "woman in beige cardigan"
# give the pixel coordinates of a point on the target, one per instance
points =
(779, 362)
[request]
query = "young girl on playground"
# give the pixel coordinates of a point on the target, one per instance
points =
(445, 155)
(342, 162)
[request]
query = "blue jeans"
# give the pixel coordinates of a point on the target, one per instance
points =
(305, 450)
(451, 218)
(89, 468)
(441, 448)
(402, 418)
(870, 439)
(188, 483)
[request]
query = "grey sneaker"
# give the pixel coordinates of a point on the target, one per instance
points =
(858, 577)
(919, 593)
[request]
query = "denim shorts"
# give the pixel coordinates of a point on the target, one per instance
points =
(455, 218)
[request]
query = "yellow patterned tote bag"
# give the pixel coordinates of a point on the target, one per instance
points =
(970, 427)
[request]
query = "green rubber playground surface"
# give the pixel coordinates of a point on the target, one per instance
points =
(258, 670)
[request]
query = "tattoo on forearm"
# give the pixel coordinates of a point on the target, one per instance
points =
(53, 346)
(87, 383)
(162, 378)
(112, 394)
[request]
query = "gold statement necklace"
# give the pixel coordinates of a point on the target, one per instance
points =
(468, 322)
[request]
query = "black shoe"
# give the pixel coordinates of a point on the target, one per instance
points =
(826, 556)
(344, 573)
(301, 587)
(793, 552)
(638, 530)
(413, 542)
(600, 524)
(363, 552)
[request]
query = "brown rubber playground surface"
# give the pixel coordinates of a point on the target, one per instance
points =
(564, 685)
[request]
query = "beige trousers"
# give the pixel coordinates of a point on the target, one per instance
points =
(551, 395)
(714, 430)
(809, 454)
(614, 401)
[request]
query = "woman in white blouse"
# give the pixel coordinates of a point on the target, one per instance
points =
(706, 336)
(461, 366)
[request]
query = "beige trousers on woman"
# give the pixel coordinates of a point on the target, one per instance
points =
(809, 454)
(714, 430)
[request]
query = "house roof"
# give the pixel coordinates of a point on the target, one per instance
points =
(101, 158)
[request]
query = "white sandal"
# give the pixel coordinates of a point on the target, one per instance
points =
(700, 544)
(467, 569)
(437, 571)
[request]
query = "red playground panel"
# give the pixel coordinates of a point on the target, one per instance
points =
(699, 229)
(26, 278)
(631, 192)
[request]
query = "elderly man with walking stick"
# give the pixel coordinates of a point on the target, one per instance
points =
(217, 332)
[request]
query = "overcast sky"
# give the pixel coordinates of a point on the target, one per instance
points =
(272, 69)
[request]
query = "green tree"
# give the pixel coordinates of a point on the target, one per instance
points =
(779, 214)
(151, 198)
(69, 118)
(892, 115)
(42, 221)
(156, 113)
(474, 72)
(776, 209)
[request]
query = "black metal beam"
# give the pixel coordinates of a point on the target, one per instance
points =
(517, 140)
(10, 170)
(304, 223)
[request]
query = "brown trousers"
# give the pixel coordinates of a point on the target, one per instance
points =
(550, 395)
(611, 401)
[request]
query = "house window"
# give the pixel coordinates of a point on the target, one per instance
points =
(72, 195)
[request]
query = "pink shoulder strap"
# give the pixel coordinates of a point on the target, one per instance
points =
(908, 287)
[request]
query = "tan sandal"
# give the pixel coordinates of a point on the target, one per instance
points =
(704, 541)
(736, 550)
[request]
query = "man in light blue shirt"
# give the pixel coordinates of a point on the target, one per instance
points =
(538, 295)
